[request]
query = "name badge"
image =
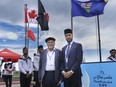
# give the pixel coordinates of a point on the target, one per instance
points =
(66, 60)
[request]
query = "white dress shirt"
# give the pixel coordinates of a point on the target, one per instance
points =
(111, 58)
(50, 64)
(25, 65)
(36, 62)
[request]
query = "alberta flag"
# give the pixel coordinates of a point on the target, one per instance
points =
(88, 8)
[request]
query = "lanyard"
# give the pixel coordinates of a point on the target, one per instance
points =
(50, 57)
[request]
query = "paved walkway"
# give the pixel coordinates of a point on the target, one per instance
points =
(17, 84)
(14, 84)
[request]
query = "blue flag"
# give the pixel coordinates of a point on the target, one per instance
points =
(88, 8)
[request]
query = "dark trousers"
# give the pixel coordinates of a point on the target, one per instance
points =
(73, 82)
(49, 79)
(8, 80)
(0, 74)
(36, 79)
(24, 81)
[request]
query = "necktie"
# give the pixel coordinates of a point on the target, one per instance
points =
(67, 55)
(68, 49)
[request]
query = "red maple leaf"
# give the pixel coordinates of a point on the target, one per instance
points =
(32, 14)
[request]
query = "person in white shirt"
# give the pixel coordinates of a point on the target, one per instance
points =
(50, 62)
(36, 65)
(25, 68)
(8, 72)
(112, 56)
(1, 62)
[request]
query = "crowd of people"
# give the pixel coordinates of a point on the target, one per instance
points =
(51, 66)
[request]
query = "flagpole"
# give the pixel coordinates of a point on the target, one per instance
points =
(38, 29)
(25, 7)
(99, 40)
(71, 22)
(37, 35)
(71, 17)
(28, 38)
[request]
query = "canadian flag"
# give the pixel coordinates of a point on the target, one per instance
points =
(32, 14)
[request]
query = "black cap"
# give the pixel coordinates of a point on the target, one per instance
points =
(24, 48)
(112, 50)
(40, 46)
(67, 31)
(49, 38)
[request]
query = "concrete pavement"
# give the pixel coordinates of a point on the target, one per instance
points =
(14, 84)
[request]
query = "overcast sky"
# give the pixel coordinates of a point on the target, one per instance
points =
(85, 29)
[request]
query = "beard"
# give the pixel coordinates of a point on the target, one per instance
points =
(69, 40)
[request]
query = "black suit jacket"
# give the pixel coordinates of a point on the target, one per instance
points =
(75, 58)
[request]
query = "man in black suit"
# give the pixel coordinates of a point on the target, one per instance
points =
(72, 55)
(50, 60)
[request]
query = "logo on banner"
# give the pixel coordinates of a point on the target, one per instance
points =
(86, 6)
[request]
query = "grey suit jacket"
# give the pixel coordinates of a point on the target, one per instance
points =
(43, 58)
(74, 59)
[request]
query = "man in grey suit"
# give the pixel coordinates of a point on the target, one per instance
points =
(72, 55)
(50, 58)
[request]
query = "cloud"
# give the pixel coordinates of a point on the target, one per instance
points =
(13, 11)
(85, 29)
(8, 35)
(13, 46)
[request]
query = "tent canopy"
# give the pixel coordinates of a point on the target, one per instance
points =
(6, 53)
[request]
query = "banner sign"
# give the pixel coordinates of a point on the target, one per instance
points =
(99, 74)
